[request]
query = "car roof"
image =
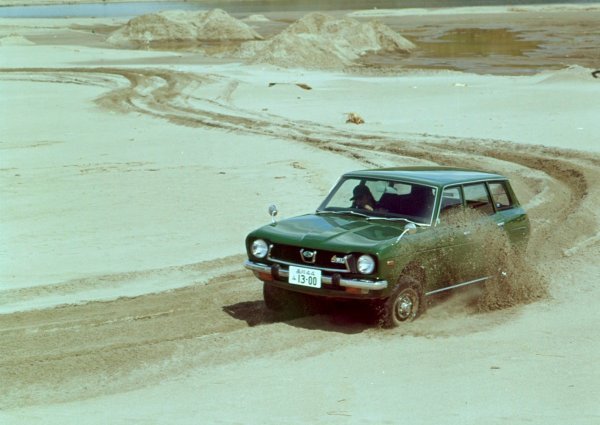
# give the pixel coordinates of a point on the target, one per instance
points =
(433, 176)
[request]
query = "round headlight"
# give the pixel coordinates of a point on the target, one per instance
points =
(366, 264)
(259, 248)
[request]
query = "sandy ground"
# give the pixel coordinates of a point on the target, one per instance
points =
(129, 179)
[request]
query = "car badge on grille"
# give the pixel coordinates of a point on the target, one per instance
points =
(338, 260)
(308, 256)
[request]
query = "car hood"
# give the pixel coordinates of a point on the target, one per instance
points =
(341, 233)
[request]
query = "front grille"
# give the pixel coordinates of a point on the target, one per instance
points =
(324, 260)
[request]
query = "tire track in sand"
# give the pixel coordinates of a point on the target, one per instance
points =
(72, 352)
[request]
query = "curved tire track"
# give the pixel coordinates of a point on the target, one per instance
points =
(79, 351)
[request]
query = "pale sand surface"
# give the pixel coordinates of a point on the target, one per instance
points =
(130, 178)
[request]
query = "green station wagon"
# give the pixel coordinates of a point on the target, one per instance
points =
(387, 236)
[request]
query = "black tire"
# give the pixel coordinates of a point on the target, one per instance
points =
(280, 300)
(405, 303)
(274, 297)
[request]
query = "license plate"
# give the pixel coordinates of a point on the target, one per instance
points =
(305, 277)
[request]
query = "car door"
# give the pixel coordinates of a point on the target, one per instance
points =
(481, 231)
(453, 240)
(509, 215)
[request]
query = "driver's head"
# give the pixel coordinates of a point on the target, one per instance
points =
(361, 195)
(360, 192)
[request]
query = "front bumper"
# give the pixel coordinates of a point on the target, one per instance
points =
(371, 285)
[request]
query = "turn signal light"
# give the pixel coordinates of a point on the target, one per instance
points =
(354, 290)
(264, 276)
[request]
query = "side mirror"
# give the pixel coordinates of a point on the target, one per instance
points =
(410, 228)
(273, 212)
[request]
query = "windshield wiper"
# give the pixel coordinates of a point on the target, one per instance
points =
(344, 212)
(392, 219)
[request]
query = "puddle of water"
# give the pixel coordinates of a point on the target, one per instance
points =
(480, 50)
(469, 42)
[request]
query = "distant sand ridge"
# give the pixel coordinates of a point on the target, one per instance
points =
(322, 42)
(178, 25)
(316, 41)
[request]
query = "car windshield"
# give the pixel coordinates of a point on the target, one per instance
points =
(383, 199)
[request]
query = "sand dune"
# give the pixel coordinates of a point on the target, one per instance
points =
(179, 25)
(322, 42)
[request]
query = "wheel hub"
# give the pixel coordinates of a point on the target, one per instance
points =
(404, 307)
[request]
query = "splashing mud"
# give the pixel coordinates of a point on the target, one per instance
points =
(513, 278)
(522, 284)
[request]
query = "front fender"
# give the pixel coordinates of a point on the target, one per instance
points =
(413, 255)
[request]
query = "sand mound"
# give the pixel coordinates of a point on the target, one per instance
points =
(568, 74)
(320, 41)
(15, 40)
(256, 18)
(178, 25)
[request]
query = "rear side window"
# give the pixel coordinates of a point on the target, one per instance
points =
(500, 196)
(476, 197)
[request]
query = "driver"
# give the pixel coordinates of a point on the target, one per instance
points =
(362, 198)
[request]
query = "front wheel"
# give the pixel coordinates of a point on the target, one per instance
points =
(404, 304)
(282, 301)
(276, 299)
